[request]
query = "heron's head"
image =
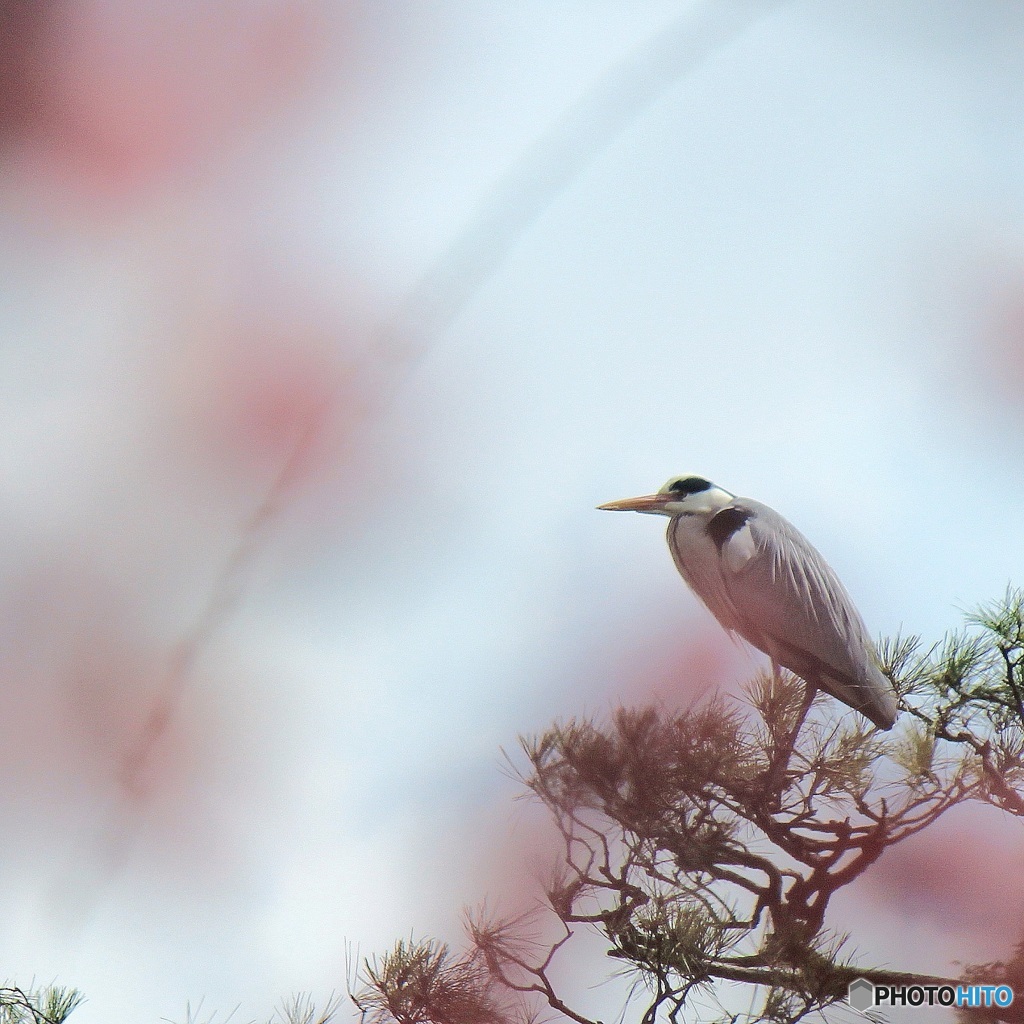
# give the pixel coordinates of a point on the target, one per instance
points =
(681, 496)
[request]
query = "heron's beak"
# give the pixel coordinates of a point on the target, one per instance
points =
(645, 503)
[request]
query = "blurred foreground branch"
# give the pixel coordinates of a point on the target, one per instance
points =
(513, 203)
(698, 864)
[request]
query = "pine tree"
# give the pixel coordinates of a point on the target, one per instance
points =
(705, 846)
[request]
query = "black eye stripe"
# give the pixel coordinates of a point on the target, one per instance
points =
(690, 485)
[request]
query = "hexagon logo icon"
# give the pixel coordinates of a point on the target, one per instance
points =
(861, 994)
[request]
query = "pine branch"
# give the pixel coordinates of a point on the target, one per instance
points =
(706, 846)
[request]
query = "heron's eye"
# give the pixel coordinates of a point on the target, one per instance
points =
(689, 485)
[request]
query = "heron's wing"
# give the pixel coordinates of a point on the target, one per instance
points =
(792, 605)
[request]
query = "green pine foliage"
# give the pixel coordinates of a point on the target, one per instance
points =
(49, 1005)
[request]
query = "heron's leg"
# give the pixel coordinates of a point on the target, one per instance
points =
(776, 691)
(782, 753)
(812, 692)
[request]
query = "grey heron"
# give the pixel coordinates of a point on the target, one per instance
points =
(762, 579)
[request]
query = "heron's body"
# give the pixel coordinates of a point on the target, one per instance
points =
(762, 579)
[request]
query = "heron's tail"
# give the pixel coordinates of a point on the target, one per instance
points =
(872, 695)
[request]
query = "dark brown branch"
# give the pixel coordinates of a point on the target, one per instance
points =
(839, 977)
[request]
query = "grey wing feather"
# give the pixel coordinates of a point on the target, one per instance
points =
(791, 604)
